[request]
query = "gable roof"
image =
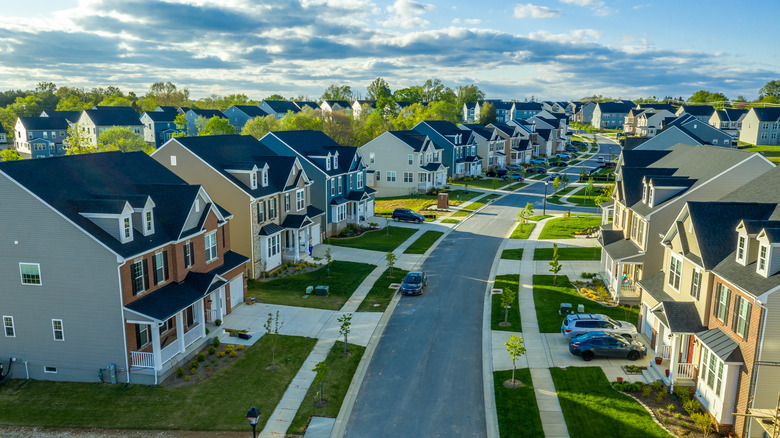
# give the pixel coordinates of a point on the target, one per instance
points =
(342, 103)
(71, 116)
(113, 116)
(478, 129)
(311, 104)
(44, 123)
(208, 113)
(698, 110)
(314, 145)
(614, 107)
(282, 106)
(413, 139)
(658, 106)
(250, 110)
(160, 116)
(731, 114)
(767, 114)
(527, 106)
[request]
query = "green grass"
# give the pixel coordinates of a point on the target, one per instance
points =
(342, 368)
(380, 295)
(344, 279)
(450, 221)
(419, 202)
(564, 228)
(424, 242)
(479, 203)
(522, 231)
(217, 403)
(518, 414)
(555, 198)
(573, 162)
(484, 183)
(497, 312)
(539, 217)
(515, 186)
(377, 240)
(592, 408)
(569, 253)
(512, 254)
(537, 176)
(584, 198)
(548, 299)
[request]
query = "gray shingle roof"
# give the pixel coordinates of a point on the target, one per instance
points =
(282, 106)
(654, 286)
(250, 110)
(699, 110)
(113, 116)
(721, 344)
(767, 114)
(413, 139)
(682, 316)
(615, 107)
(44, 123)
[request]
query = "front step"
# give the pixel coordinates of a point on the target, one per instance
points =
(651, 374)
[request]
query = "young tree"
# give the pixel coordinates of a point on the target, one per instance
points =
(216, 126)
(556, 183)
(565, 180)
(588, 188)
(487, 114)
(122, 138)
(605, 195)
(328, 258)
(507, 298)
(272, 327)
(390, 258)
(526, 213)
(345, 328)
(77, 141)
(322, 370)
(555, 266)
(9, 155)
(516, 349)
(583, 173)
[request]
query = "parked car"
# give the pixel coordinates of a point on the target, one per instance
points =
(579, 323)
(515, 167)
(553, 176)
(517, 176)
(413, 283)
(538, 160)
(564, 156)
(404, 214)
(536, 170)
(571, 148)
(579, 143)
(501, 172)
(601, 344)
(600, 160)
(558, 163)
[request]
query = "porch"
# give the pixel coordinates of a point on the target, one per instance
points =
(673, 327)
(432, 179)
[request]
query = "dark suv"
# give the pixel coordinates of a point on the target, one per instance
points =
(404, 214)
(600, 344)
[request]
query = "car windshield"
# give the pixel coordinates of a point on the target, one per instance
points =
(413, 278)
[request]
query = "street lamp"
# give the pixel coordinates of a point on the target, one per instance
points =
(251, 416)
(544, 208)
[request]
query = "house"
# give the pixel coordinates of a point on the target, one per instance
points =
(572, 108)
(403, 162)
(650, 189)
(701, 112)
(339, 106)
(160, 125)
(306, 103)
(469, 112)
(649, 122)
(555, 107)
(40, 137)
(71, 116)
(524, 110)
(686, 129)
(338, 174)
(610, 115)
(274, 221)
(459, 148)
(761, 126)
(495, 154)
(132, 267)
(512, 141)
(238, 115)
(503, 109)
(279, 108)
(360, 105)
(657, 107)
(196, 116)
(584, 113)
(3, 139)
(93, 122)
(729, 120)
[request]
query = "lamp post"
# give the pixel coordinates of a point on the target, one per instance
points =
(544, 208)
(251, 416)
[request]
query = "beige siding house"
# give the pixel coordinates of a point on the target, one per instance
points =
(761, 126)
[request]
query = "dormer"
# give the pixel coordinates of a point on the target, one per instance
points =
(143, 217)
(264, 176)
(768, 260)
(114, 216)
(328, 161)
(336, 160)
(247, 173)
(743, 244)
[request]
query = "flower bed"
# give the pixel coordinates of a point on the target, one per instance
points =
(205, 364)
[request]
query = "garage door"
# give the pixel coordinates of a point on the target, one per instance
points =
(315, 234)
(369, 208)
(236, 291)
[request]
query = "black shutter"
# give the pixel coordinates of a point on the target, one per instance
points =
(137, 337)
(223, 237)
(259, 214)
(192, 254)
(735, 313)
(718, 291)
(747, 320)
(726, 312)
(165, 264)
(154, 269)
(146, 275)
(132, 279)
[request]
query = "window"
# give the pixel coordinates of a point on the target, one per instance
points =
(166, 326)
(634, 221)
(408, 177)
(274, 245)
(411, 159)
(640, 232)
(148, 221)
(327, 162)
(696, 285)
(333, 187)
(742, 317)
(349, 181)
(341, 213)
(300, 201)
(391, 175)
(286, 202)
(341, 185)
(211, 246)
(722, 295)
(8, 324)
(57, 331)
(253, 180)
(271, 208)
(360, 180)
(741, 248)
(127, 226)
(714, 371)
(138, 274)
(675, 272)
(260, 212)
(762, 258)
(50, 370)
(142, 337)
(31, 273)
(189, 255)
(371, 157)
(160, 267)
(265, 178)
(378, 176)
(173, 160)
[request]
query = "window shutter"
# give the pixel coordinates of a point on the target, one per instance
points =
(137, 337)
(726, 312)
(192, 254)
(146, 275)
(718, 291)
(165, 264)
(735, 314)
(223, 237)
(132, 281)
(154, 270)
(747, 320)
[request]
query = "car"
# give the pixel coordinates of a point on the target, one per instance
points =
(516, 176)
(579, 143)
(553, 176)
(571, 148)
(414, 283)
(564, 156)
(538, 160)
(536, 170)
(515, 167)
(490, 173)
(501, 172)
(601, 344)
(600, 160)
(404, 214)
(558, 163)
(579, 323)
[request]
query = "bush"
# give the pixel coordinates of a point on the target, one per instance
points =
(201, 357)
(683, 392)
(212, 349)
(230, 347)
(670, 408)
(240, 347)
(659, 397)
(691, 406)
(193, 371)
(221, 354)
(194, 364)
(618, 386)
(218, 322)
(665, 421)
(233, 353)
(179, 372)
(657, 385)
(703, 421)
(588, 275)
(187, 379)
(678, 415)
(215, 342)
(660, 411)
(647, 390)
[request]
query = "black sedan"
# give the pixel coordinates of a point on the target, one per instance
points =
(558, 163)
(601, 344)
(413, 283)
(536, 170)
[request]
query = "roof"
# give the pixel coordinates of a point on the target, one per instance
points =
(731, 114)
(44, 123)
(160, 116)
(681, 316)
(71, 116)
(767, 114)
(310, 104)
(658, 106)
(721, 344)
(413, 139)
(250, 110)
(432, 167)
(282, 106)
(654, 286)
(208, 113)
(623, 249)
(527, 106)
(113, 116)
(698, 110)
(479, 129)
(341, 103)
(269, 229)
(614, 107)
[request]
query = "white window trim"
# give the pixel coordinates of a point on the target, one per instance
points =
(206, 242)
(46, 370)
(54, 330)
(765, 269)
(12, 326)
(300, 200)
(669, 280)
(161, 275)
(40, 277)
(741, 248)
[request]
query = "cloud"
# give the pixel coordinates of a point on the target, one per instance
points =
(405, 14)
(597, 6)
(529, 10)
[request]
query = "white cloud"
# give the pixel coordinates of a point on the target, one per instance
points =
(530, 10)
(472, 21)
(406, 14)
(573, 37)
(597, 6)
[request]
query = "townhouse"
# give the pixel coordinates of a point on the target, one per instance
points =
(71, 116)
(584, 113)
(686, 129)
(469, 112)
(363, 108)
(279, 108)
(503, 109)
(238, 115)
(197, 116)
(93, 122)
(761, 126)
(555, 107)
(459, 149)
(492, 152)
(728, 120)
(274, 221)
(524, 110)
(339, 106)
(650, 121)
(701, 112)
(40, 137)
(513, 140)
(610, 115)
(338, 174)
(403, 162)
(132, 267)
(160, 125)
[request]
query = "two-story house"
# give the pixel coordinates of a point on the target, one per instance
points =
(363, 108)
(651, 188)
(492, 154)
(93, 122)
(729, 120)
(195, 114)
(686, 129)
(459, 150)
(133, 264)
(650, 121)
(71, 116)
(468, 112)
(701, 112)
(512, 140)
(524, 110)
(40, 137)
(555, 107)
(584, 113)
(503, 109)
(160, 125)
(610, 115)
(3, 138)
(339, 106)
(274, 220)
(761, 126)
(403, 162)
(279, 108)
(338, 174)
(238, 115)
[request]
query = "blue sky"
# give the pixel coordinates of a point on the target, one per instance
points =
(550, 49)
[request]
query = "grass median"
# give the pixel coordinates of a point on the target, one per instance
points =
(518, 413)
(510, 282)
(564, 228)
(424, 242)
(377, 240)
(378, 298)
(593, 253)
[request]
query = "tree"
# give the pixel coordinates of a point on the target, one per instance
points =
(588, 188)
(507, 298)
(328, 258)
(556, 183)
(434, 90)
(555, 266)
(411, 94)
(337, 92)
(487, 114)
(583, 173)
(605, 195)
(181, 125)
(704, 96)
(515, 348)
(565, 180)
(259, 126)
(703, 421)
(77, 141)
(116, 101)
(338, 126)
(321, 369)
(122, 138)
(9, 155)
(525, 213)
(344, 329)
(770, 90)
(272, 327)
(469, 94)
(390, 258)
(275, 97)
(217, 126)
(378, 89)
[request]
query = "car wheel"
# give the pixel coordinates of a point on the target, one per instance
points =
(633, 355)
(587, 356)
(397, 219)
(417, 221)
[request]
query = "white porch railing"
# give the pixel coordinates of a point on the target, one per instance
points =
(211, 315)
(629, 290)
(169, 351)
(192, 335)
(142, 359)
(685, 371)
(665, 351)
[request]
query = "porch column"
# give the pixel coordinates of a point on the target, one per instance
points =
(199, 317)
(674, 353)
(180, 330)
(156, 346)
(295, 247)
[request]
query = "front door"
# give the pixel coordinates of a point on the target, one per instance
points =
(652, 341)
(221, 302)
(690, 349)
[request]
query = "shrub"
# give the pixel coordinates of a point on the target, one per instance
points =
(684, 424)
(691, 406)
(194, 364)
(218, 322)
(665, 421)
(187, 379)
(647, 390)
(657, 385)
(201, 357)
(683, 392)
(230, 347)
(193, 371)
(207, 331)
(240, 347)
(618, 386)
(703, 421)
(179, 372)
(208, 368)
(212, 349)
(233, 353)
(659, 397)
(215, 342)
(678, 415)
(221, 354)
(660, 411)
(670, 408)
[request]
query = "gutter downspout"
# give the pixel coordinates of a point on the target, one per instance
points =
(122, 318)
(754, 378)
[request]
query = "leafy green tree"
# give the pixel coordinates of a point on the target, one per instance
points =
(338, 92)
(181, 125)
(556, 183)
(122, 138)
(507, 299)
(565, 180)
(74, 102)
(321, 369)
(77, 142)
(304, 119)
(516, 349)
(434, 90)
(260, 126)
(605, 195)
(9, 155)
(345, 328)
(378, 89)
(413, 94)
(469, 94)
(167, 94)
(525, 213)
(588, 188)
(487, 114)
(29, 106)
(368, 128)
(8, 121)
(555, 266)
(116, 101)
(338, 127)
(770, 89)
(217, 126)
(275, 97)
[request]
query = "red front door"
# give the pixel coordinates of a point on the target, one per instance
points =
(690, 349)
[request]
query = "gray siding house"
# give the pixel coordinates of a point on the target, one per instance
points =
(40, 137)
(238, 115)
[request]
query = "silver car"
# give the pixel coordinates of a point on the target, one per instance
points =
(579, 323)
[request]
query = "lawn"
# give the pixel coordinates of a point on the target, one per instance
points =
(218, 403)
(592, 408)
(483, 183)
(377, 240)
(555, 198)
(518, 414)
(419, 202)
(497, 312)
(450, 221)
(585, 199)
(515, 186)
(564, 228)
(537, 176)
(344, 279)
(379, 296)
(424, 242)
(569, 253)
(339, 376)
(548, 299)
(470, 208)
(512, 254)
(539, 217)
(522, 231)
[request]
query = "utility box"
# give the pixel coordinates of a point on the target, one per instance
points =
(443, 201)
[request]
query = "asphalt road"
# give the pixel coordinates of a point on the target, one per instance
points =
(425, 378)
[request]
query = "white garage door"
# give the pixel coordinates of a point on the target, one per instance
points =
(236, 291)
(369, 208)
(315, 234)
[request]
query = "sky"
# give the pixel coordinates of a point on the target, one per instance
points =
(547, 49)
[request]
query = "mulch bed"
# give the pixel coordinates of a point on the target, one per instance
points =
(211, 364)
